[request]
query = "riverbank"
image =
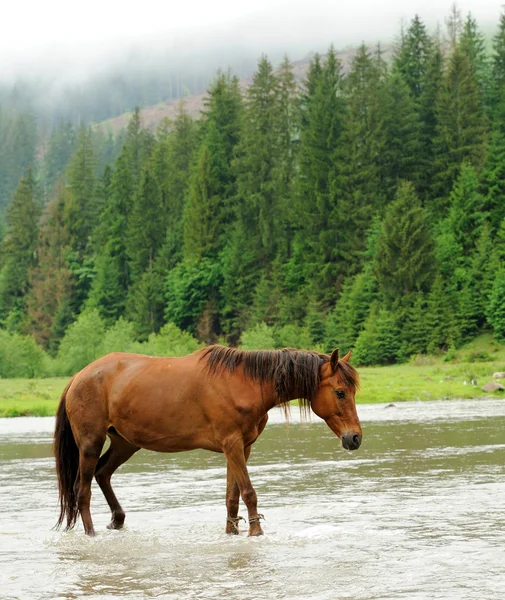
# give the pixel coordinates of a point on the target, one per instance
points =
(457, 375)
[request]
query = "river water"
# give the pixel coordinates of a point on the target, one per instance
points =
(417, 512)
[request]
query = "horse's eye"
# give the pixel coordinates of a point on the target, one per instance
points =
(340, 394)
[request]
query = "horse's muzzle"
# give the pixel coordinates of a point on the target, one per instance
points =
(351, 441)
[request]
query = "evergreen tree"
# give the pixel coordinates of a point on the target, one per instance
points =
(473, 44)
(493, 175)
(429, 117)
(48, 311)
(255, 234)
(146, 302)
(146, 231)
(405, 259)
(416, 326)
(360, 182)
(404, 154)
(496, 306)
(60, 148)
(317, 209)
(82, 208)
(461, 131)
(440, 315)
(19, 247)
(466, 212)
(203, 210)
(413, 56)
(498, 64)
(380, 339)
(346, 320)
(111, 282)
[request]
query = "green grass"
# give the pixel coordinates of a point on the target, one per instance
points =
(424, 378)
(30, 397)
(436, 378)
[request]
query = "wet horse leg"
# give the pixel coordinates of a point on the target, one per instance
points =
(235, 455)
(232, 490)
(233, 497)
(89, 453)
(118, 453)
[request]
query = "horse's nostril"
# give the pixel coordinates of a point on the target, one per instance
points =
(356, 439)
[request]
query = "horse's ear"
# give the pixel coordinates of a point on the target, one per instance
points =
(334, 360)
(347, 357)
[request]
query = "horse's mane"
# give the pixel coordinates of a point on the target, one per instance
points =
(295, 373)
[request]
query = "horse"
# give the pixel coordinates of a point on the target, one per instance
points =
(217, 399)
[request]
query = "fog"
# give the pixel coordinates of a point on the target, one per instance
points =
(106, 57)
(57, 39)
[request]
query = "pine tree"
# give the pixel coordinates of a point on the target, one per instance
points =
(416, 327)
(473, 44)
(172, 161)
(461, 131)
(48, 300)
(202, 223)
(346, 320)
(360, 182)
(19, 246)
(493, 175)
(379, 342)
(413, 56)
(496, 306)
(253, 240)
(60, 148)
(429, 117)
(466, 208)
(440, 315)
(146, 302)
(318, 207)
(145, 231)
(112, 279)
(404, 154)
(82, 207)
(498, 64)
(405, 258)
(222, 116)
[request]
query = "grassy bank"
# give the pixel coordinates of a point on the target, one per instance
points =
(457, 375)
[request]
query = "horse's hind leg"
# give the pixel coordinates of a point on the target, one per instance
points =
(118, 453)
(89, 454)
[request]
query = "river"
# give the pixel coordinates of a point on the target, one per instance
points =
(418, 512)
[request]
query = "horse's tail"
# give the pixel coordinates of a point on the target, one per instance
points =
(67, 463)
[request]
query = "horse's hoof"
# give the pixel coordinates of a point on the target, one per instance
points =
(231, 530)
(115, 525)
(255, 532)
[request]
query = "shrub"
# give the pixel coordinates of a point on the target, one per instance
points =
(20, 356)
(170, 341)
(380, 341)
(83, 343)
(258, 337)
(292, 336)
(118, 338)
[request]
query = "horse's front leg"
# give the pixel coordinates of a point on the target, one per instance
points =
(235, 455)
(232, 498)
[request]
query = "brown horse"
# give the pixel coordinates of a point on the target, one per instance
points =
(217, 398)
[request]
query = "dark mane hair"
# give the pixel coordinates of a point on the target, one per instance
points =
(295, 373)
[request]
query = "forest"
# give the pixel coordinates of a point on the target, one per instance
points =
(361, 208)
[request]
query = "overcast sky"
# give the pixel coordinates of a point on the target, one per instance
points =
(61, 35)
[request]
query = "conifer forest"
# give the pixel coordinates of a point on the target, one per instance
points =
(361, 206)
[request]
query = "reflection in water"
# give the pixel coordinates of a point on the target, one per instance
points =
(417, 512)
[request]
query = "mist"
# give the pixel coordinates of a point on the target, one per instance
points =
(54, 54)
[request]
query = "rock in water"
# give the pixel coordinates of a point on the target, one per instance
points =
(492, 386)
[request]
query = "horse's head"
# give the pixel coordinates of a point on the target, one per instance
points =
(335, 402)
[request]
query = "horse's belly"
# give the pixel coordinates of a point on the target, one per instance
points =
(167, 431)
